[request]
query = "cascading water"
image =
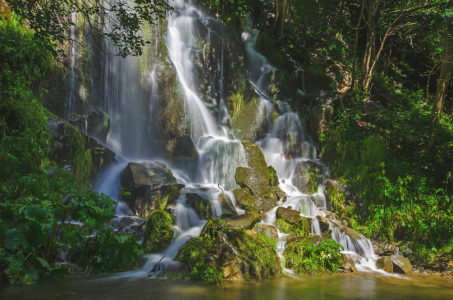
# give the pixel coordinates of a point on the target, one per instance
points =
(284, 147)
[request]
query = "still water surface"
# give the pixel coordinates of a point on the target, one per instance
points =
(360, 286)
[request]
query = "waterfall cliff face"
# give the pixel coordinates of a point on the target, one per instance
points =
(188, 89)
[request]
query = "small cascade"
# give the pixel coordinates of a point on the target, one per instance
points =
(73, 53)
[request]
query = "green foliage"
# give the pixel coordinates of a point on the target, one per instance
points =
(50, 20)
(405, 191)
(299, 229)
(158, 231)
(40, 202)
(312, 181)
(306, 258)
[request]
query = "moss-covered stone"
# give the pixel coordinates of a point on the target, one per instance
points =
(401, 264)
(201, 205)
(98, 125)
(247, 123)
(266, 200)
(245, 221)
(268, 230)
(158, 232)
(163, 197)
(244, 254)
(273, 178)
(323, 223)
(193, 252)
(384, 263)
(244, 198)
(299, 229)
(341, 198)
(288, 215)
(347, 264)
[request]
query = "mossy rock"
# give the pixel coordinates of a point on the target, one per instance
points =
(347, 264)
(244, 255)
(307, 176)
(314, 240)
(341, 197)
(193, 252)
(247, 123)
(266, 200)
(243, 198)
(385, 263)
(98, 125)
(245, 221)
(273, 178)
(158, 232)
(298, 229)
(323, 223)
(278, 192)
(163, 197)
(255, 159)
(212, 228)
(288, 215)
(201, 205)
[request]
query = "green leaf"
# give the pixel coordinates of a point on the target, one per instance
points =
(14, 239)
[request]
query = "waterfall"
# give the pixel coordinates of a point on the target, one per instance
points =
(134, 135)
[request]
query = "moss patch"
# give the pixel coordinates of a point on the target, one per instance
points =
(158, 231)
(300, 228)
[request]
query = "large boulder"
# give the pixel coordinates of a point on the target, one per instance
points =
(323, 223)
(401, 264)
(163, 197)
(235, 253)
(152, 186)
(245, 221)
(201, 205)
(158, 232)
(98, 125)
(306, 176)
(129, 225)
(266, 200)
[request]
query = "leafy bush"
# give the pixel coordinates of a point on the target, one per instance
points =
(306, 258)
(40, 203)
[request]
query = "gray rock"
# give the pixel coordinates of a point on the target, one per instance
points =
(302, 179)
(201, 205)
(98, 125)
(227, 204)
(268, 230)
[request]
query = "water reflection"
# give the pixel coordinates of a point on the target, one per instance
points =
(317, 287)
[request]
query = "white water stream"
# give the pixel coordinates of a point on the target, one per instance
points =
(219, 156)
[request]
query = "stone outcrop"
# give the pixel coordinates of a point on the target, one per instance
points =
(347, 264)
(158, 232)
(245, 221)
(227, 205)
(289, 221)
(394, 264)
(152, 186)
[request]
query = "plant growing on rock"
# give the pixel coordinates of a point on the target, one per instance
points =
(158, 231)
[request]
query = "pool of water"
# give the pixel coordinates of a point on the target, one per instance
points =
(356, 286)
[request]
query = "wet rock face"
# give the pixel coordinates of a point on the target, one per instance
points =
(289, 221)
(98, 125)
(243, 198)
(266, 200)
(201, 205)
(273, 178)
(347, 264)
(323, 223)
(234, 252)
(306, 176)
(268, 230)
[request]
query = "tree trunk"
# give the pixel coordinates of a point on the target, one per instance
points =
(354, 61)
(281, 8)
(442, 85)
(370, 53)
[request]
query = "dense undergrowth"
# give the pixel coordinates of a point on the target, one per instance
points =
(405, 191)
(40, 203)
